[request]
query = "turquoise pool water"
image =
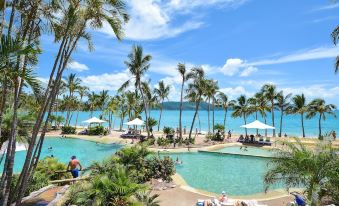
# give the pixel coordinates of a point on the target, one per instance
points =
(235, 174)
(63, 149)
(246, 151)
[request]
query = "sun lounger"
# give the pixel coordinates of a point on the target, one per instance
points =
(250, 203)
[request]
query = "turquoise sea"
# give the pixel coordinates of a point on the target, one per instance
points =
(291, 123)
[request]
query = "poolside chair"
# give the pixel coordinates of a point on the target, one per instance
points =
(249, 203)
(268, 141)
(261, 140)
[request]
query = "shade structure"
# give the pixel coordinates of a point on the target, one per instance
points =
(136, 122)
(94, 120)
(257, 125)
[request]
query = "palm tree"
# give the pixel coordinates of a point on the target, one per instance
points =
(162, 93)
(319, 106)
(297, 165)
(182, 70)
(195, 91)
(72, 83)
(138, 65)
(147, 199)
(241, 109)
(299, 106)
(283, 105)
(335, 36)
(210, 92)
(103, 100)
(92, 102)
(270, 93)
(224, 102)
(82, 91)
(254, 105)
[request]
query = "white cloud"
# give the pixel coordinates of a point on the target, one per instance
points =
(154, 19)
(235, 92)
(248, 71)
(76, 66)
(309, 54)
(314, 91)
(106, 81)
(327, 7)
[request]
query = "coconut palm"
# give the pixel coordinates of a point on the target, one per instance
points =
(241, 109)
(147, 199)
(297, 165)
(225, 104)
(299, 106)
(138, 64)
(82, 91)
(270, 93)
(255, 105)
(210, 92)
(92, 102)
(335, 36)
(72, 84)
(182, 71)
(103, 100)
(319, 106)
(283, 104)
(195, 91)
(162, 93)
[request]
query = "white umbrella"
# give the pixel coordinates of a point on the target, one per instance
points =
(257, 125)
(94, 120)
(136, 122)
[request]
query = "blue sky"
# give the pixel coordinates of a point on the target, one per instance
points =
(241, 43)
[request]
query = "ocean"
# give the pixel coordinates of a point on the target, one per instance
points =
(291, 123)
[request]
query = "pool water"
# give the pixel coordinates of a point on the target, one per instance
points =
(62, 149)
(246, 151)
(213, 172)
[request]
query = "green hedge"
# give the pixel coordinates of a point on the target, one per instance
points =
(98, 130)
(68, 130)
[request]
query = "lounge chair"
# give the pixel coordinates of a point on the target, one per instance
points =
(268, 142)
(261, 141)
(249, 203)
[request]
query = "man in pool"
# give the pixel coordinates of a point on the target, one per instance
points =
(73, 166)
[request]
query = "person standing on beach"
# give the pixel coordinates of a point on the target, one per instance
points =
(73, 166)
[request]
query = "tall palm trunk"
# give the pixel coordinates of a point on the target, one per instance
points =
(195, 115)
(76, 119)
(281, 120)
(265, 120)
(199, 122)
(146, 109)
(320, 136)
(160, 115)
(244, 116)
(213, 115)
(180, 109)
(256, 118)
(3, 8)
(302, 124)
(272, 111)
(225, 115)
(208, 116)
(3, 101)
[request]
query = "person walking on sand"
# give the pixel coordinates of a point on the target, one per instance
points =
(73, 166)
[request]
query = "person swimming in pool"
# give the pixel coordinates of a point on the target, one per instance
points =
(177, 161)
(73, 166)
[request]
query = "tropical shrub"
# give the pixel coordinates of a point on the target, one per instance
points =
(49, 165)
(150, 141)
(68, 130)
(38, 181)
(113, 188)
(163, 142)
(152, 122)
(161, 168)
(315, 169)
(219, 127)
(97, 130)
(147, 199)
(168, 131)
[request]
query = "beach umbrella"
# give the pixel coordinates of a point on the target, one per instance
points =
(257, 125)
(94, 120)
(135, 122)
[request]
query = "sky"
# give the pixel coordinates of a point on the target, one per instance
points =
(242, 44)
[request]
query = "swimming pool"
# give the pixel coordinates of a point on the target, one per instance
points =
(237, 175)
(246, 151)
(63, 149)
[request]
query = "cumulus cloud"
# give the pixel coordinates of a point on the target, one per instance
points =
(76, 66)
(236, 66)
(155, 19)
(106, 81)
(248, 71)
(234, 92)
(314, 91)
